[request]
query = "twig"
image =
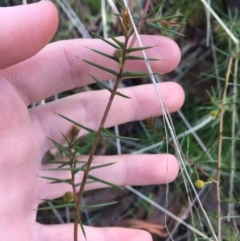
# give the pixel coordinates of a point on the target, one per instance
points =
(220, 139)
(233, 135)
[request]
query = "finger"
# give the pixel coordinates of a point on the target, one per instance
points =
(87, 109)
(56, 69)
(127, 170)
(64, 232)
(25, 30)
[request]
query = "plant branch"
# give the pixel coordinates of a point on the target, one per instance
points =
(97, 139)
(220, 140)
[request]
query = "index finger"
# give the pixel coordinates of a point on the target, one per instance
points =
(56, 69)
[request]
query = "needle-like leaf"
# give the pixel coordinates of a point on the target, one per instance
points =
(101, 67)
(104, 182)
(121, 44)
(130, 50)
(74, 122)
(107, 41)
(108, 88)
(57, 180)
(98, 205)
(81, 225)
(106, 55)
(140, 58)
(58, 206)
(136, 74)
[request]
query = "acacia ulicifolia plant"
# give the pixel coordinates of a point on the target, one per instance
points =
(121, 54)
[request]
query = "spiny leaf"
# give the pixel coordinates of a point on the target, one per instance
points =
(58, 206)
(101, 67)
(130, 50)
(140, 58)
(104, 182)
(98, 205)
(122, 137)
(102, 84)
(106, 55)
(136, 74)
(79, 184)
(121, 44)
(74, 122)
(122, 95)
(108, 88)
(63, 149)
(103, 165)
(67, 169)
(76, 141)
(165, 18)
(104, 130)
(107, 41)
(164, 29)
(122, 6)
(108, 134)
(56, 180)
(76, 169)
(82, 149)
(81, 225)
(57, 162)
(159, 5)
(66, 139)
(54, 201)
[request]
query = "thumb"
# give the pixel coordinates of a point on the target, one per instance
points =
(25, 30)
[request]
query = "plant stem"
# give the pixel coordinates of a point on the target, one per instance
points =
(220, 138)
(97, 138)
(233, 142)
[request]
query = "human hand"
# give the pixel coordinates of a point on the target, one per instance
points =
(31, 71)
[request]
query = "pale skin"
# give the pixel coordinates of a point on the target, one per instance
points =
(32, 70)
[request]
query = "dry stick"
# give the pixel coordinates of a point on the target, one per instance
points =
(219, 159)
(96, 140)
(233, 142)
